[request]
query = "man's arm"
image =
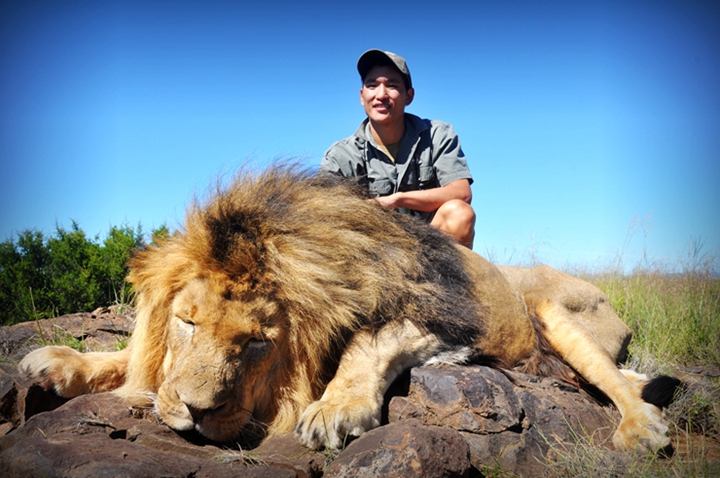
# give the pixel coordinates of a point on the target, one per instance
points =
(429, 199)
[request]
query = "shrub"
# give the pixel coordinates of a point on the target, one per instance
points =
(66, 273)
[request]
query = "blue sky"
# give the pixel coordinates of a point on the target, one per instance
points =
(592, 128)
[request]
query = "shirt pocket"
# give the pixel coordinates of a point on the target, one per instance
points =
(426, 175)
(380, 187)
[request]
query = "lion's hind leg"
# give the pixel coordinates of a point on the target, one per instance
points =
(71, 373)
(642, 424)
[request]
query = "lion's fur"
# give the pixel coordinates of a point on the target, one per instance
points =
(589, 306)
(333, 263)
(283, 282)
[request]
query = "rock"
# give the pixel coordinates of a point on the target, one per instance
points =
(19, 399)
(507, 418)
(404, 449)
(285, 449)
(103, 329)
(9, 408)
(97, 331)
(99, 435)
(442, 421)
(472, 399)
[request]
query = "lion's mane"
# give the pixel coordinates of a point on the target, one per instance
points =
(330, 260)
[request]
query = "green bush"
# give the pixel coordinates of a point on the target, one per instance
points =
(45, 277)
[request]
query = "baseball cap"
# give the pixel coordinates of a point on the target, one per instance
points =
(374, 57)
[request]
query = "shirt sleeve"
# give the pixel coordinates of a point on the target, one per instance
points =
(343, 159)
(448, 158)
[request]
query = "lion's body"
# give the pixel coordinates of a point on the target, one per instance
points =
(292, 303)
(590, 307)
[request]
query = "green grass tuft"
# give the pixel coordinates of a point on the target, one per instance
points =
(675, 318)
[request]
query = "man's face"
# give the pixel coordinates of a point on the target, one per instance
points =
(383, 95)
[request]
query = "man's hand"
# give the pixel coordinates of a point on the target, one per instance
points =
(428, 200)
(454, 215)
(390, 201)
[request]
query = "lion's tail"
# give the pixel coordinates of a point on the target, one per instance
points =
(545, 361)
(661, 390)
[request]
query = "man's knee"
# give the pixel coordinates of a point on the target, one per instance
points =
(457, 218)
(462, 209)
(458, 212)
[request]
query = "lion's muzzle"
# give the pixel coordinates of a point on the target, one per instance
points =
(216, 420)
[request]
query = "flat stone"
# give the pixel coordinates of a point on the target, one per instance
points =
(404, 449)
(100, 435)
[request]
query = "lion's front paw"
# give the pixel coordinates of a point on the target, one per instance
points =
(643, 429)
(328, 423)
(56, 367)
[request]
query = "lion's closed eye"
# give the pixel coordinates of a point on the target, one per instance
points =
(257, 348)
(186, 325)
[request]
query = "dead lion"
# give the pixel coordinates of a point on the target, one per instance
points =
(290, 301)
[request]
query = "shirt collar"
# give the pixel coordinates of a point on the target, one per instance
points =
(413, 127)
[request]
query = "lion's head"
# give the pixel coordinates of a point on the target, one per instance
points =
(242, 317)
(225, 356)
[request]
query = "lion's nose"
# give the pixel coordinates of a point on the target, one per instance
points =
(195, 413)
(198, 413)
(200, 408)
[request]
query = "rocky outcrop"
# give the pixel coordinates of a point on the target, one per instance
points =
(102, 329)
(98, 435)
(441, 421)
(99, 330)
(508, 419)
